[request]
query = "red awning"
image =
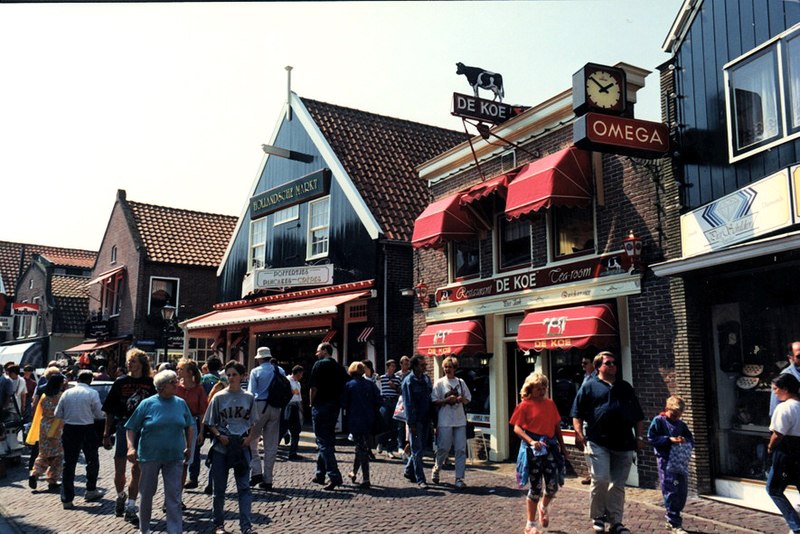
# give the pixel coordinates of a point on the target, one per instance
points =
(89, 346)
(498, 185)
(566, 328)
(452, 338)
(106, 275)
(562, 179)
(444, 220)
(329, 336)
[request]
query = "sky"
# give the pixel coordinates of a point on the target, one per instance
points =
(171, 102)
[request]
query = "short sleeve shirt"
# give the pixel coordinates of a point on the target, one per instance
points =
(786, 418)
(161, 424)
(538, 417)
(329, 377)
(610, 411)
(126, 394)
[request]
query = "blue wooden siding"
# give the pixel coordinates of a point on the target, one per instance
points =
(351, 250)
(723, 31)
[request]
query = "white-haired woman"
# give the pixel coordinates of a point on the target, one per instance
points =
(164, 425)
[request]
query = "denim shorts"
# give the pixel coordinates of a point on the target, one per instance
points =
(121, 448)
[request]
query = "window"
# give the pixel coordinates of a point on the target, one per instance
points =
(114, 254)
(201, 348)
(258, 244)
(514, 238)
(111, 295)
(465, 259)
(573, 231)
(763, 97)
(318, 228)
(283, 216)
(566, 377)
(163, 291)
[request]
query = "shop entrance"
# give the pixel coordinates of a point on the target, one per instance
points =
(519, 367)
(289, 351)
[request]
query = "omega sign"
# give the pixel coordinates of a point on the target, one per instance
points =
(619, 135)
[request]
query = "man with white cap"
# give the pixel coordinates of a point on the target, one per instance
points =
(269, 420)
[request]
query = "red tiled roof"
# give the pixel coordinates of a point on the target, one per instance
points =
(172, 235)
(72, 303)
(69, 286)
(11, 253)
(380, 154)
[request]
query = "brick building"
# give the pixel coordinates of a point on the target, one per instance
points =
(524, 258)
(151, 257)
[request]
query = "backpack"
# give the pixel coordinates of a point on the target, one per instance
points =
(280, 391)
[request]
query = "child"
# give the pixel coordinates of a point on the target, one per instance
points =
(673, 443)
(537, 422)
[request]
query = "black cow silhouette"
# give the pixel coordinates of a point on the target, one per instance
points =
(483, 79)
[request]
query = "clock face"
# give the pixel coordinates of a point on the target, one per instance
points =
(603, 89)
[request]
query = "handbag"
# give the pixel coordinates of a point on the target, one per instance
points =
(679, 456)
(400, 410)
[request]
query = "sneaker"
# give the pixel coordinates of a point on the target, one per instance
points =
(32, 481)
(619, 528)
(461, 485)
(677, 530)
(435, 476)
(68, 505)
(192, 484)
(220, 530)
(256, 479)
(266, 486)
(598, 525)
(131, 516)
(93, 495)
(422, 485)
(119, 505)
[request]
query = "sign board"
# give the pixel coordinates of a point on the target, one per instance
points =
(286, 195)
(6, 323)
(305, 275)
(23, 308)
(620, 135)
(759, 208)
(563, 274)
(483, 110)
(97, 329)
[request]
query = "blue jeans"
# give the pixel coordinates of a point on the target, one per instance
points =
(219, 474)
(294, 427)
(785, 471)
(389, 438)
(324, 417)
(414, 467)
(77, 438)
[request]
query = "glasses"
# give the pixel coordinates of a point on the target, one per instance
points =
(173, 381)
(610, 364)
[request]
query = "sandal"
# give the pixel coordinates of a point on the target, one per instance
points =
(544, 518)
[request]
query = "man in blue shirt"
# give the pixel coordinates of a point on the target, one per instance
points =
(416, 390)
(268, 420)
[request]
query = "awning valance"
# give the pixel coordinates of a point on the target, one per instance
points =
(444, 220)
(497, 185)
(562, 179)
(280, 311)
(452, 338)
(567, 328)
(30, 353)
(106, 275)
(89, 346)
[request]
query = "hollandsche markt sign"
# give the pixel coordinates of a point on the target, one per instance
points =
(549, 276)
(285, 195)
(483, 110)
(620, 135)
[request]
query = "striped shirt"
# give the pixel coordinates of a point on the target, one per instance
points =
(386, 386)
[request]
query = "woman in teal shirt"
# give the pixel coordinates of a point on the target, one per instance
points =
(165, 426)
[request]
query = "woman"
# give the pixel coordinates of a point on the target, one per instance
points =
(230, 417)
(361, 401)
(449, 396)
(542, 453)
(50, 459)
(191, 391)
(164, 426)
(783, 445)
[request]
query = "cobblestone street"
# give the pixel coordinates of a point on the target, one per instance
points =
(491, 503)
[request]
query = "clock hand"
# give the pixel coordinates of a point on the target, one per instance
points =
(597, 83)
(605, 88)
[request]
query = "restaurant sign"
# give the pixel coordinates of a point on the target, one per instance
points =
(578, 271)
(286, 195)
(483, 110)
(24, 308)
(620, 135)
(304, 275)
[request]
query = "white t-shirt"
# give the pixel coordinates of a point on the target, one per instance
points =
(19, 390)
(296, 389)
(786, 418)
(451, 414)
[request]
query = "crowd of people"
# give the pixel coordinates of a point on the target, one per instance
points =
(156, 423)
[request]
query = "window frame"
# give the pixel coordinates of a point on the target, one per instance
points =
(451, 261)
(499, 221)
(778, 45)
(111, 295)
(552, 229)
(252, 245)
(176, 297)
(292, 214)
(310, 255)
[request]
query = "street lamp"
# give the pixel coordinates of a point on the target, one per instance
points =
(167, 314)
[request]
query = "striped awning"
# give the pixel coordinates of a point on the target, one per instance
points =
(365, 334)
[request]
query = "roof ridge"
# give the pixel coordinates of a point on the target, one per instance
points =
(186, 210)
(2, 242)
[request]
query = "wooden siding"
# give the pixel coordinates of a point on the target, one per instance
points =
(723, 31)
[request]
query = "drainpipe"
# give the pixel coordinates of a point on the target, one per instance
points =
(385, 304)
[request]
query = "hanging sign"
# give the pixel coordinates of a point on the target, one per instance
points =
(620, 135)
(483, 110)
(304, 275)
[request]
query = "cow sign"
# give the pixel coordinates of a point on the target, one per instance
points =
(482, 79)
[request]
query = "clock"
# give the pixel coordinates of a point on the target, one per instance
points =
(599, 88)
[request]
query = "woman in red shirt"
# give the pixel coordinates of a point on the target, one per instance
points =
(542, 453)
(191, 390)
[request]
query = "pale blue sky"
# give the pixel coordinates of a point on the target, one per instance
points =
(171, 102)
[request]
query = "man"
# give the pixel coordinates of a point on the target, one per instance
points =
(615, 425)
(588, 372)
(326, 382)
(213, 375)
(294, 411)
(79, 406)
(15, 404)
(30, 385)
(19, 385)
(405, 370)
(793, 369)
(125, 395)
(390, 392)
(417, 389)
(268, 420)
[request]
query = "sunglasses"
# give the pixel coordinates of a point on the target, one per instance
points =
(610, 364)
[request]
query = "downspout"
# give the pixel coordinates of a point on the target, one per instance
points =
(385, 304)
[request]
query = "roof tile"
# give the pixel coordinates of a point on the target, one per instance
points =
(11, 253)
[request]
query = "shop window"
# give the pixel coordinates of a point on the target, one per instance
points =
(201, 348)
(566, 377)
(318, 228)
(514, 238)
(464, 259)
(111, 295)
(286, 215)
(163, 291)
(758, 99)
(476, 377)
(573, 231)
(258, 244)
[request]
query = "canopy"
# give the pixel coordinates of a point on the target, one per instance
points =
(452, 338)
(89, 346)
(566, 328)
(106, 275)
(562, 179)
(32, 352)
(498, 185)
(444, 220)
